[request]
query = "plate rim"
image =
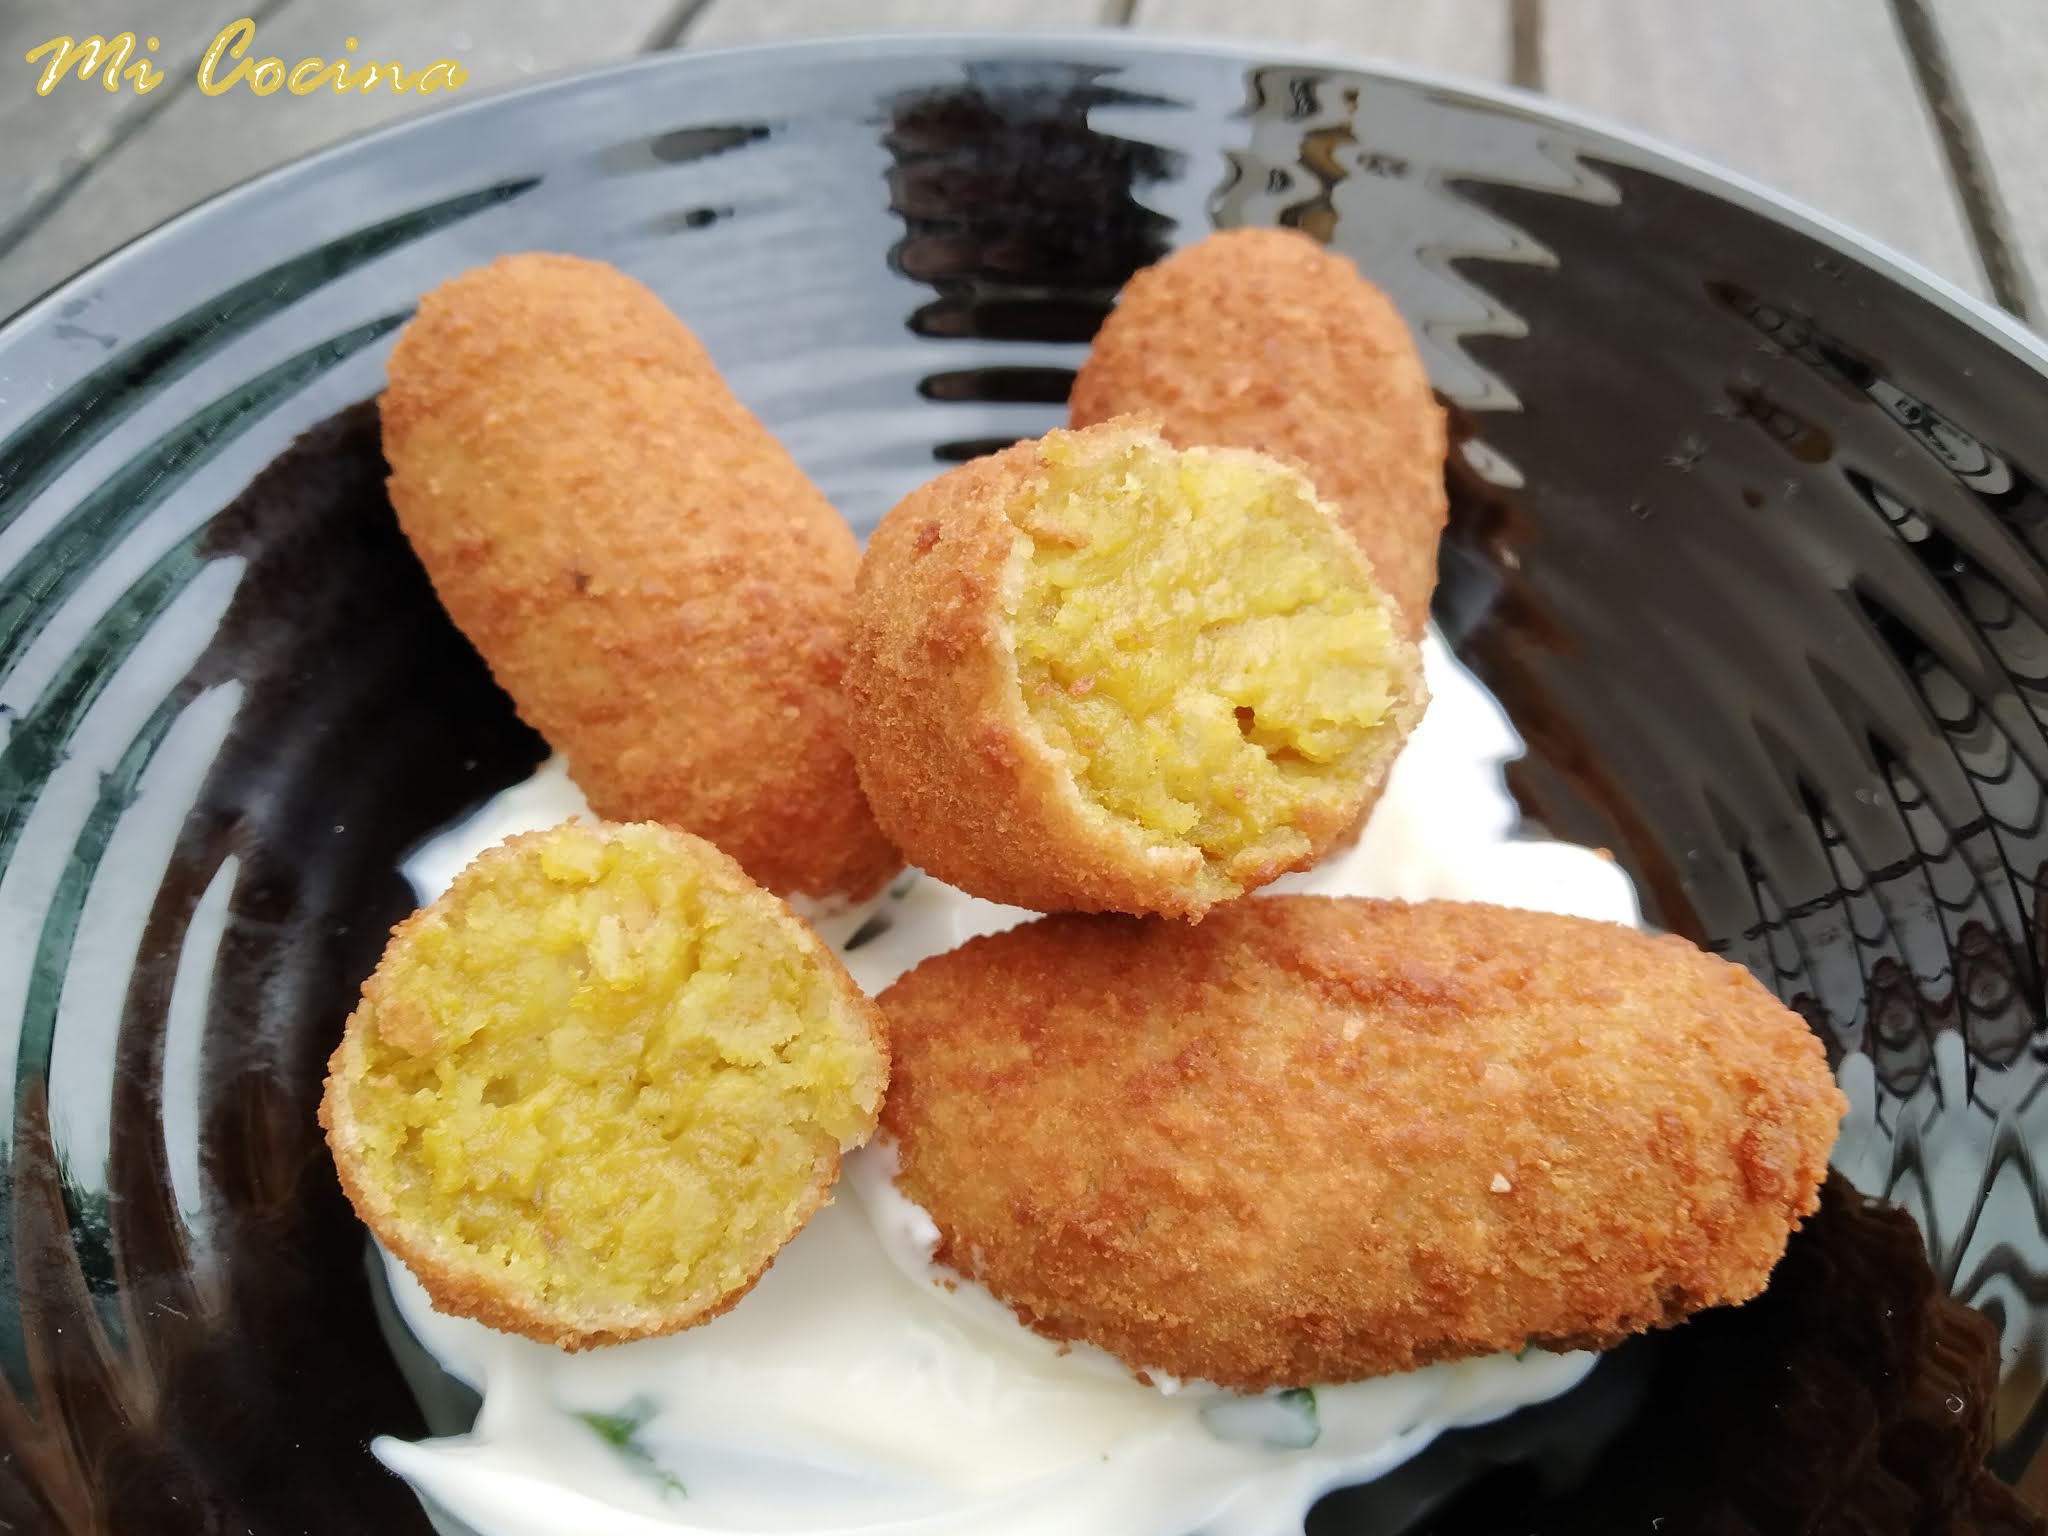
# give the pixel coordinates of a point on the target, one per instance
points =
(1993, 323)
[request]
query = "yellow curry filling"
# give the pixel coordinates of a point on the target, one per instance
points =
(1202, 646)
(607, 1078)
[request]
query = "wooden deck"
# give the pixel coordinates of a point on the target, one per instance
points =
(1918, 121)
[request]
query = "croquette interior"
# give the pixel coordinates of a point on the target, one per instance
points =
(1202, 645)
(605, 1078)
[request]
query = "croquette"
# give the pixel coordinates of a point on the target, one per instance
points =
(1320, 1139)
(648, 573)
(590, 1091)
(1261, 338)
(1098, 673)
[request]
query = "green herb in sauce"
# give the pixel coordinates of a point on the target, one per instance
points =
(621, 1431)
(1280, 1421)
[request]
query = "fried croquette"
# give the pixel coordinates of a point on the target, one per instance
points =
(1097, 673)
(1315, 1140)
(589, 1092)
(1261, 338)
(649, 575)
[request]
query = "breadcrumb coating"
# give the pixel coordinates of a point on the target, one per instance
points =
(648, 573)
(1316, 1140)
(1261, 338)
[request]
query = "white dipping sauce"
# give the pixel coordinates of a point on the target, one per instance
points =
(859, 1389)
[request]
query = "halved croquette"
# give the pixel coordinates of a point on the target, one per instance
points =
(591, 1090)
(1099, 673)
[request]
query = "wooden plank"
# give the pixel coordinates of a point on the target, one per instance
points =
(1816, 98)
(1997, 52)
(198, 145)
(747, 21)
(72, 126)
(1467, 37)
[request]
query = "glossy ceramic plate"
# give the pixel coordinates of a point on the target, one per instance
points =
(1748, 534)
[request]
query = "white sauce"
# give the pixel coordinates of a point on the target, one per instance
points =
(548, 799)
(858, 1389)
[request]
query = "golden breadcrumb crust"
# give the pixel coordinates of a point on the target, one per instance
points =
(959, 773)
(412, 1014)
(648, 573)
(1261, 338)
(1316, 1140)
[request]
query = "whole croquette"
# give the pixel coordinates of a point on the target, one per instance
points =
(649, 575)
(1261, 338)
(1316, 1140)
(1097, 673)
(589, 1092)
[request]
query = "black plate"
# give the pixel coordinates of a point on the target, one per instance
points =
(1748, 534)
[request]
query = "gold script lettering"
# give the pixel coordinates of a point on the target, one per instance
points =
(373, 76)
(306, 76)
(144, 76)
(441, 75)
(88, 56)
(233, 38)
(227, 63)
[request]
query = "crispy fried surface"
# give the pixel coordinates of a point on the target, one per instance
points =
(589, 1092)
(1260, 338)
(650, 576)
(1096, 673)
(1315, 1140)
